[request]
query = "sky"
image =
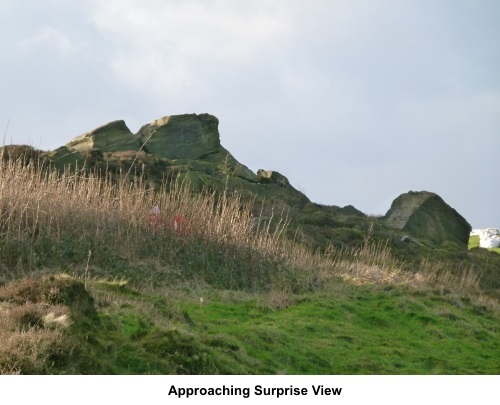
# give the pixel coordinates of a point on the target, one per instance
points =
(355, 101)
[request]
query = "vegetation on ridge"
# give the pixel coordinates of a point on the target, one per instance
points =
(202, 285)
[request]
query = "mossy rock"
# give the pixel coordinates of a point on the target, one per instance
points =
(187, 148)
(112, 137)
(63, 157)
(425, 215)
(187, 136)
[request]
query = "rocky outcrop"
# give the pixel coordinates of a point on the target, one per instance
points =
(272, 177)
(488, 237)
(187, 148)
(280, 186)
(112, 137)
(425, 216)
(187, 136)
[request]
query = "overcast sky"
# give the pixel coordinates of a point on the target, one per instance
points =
(354, 101)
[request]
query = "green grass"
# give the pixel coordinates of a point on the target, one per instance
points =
(345, 329)
(227, 297)
(473, 241)
(342, 328)
(361, 330)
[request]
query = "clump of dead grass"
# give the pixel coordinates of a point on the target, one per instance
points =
(32, 330)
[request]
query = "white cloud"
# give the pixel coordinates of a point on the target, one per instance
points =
(172, 45)
(52, 38)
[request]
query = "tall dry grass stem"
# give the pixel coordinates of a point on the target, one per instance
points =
(77, 214)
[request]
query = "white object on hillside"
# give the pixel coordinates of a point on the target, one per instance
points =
(488, 237)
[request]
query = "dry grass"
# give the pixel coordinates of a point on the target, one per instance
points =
(51, 219)
(32, 336)
(35, 203)
(35, 316)
(108, 222)
(374, 263)
(81, 220)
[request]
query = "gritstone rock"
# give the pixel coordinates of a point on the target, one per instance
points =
(271, 179)
(112, 137)
(269, 176)
(186, 136)
(187, 148)
(424, 215)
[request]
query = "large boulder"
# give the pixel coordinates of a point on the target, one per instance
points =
(187, 136)
(425, 215)
(112, 137)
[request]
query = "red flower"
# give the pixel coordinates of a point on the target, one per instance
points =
(180, 224)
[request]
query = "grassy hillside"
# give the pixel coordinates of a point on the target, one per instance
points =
(110, 277)
(342, 329)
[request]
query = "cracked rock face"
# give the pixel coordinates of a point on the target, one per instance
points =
(425, 215)
(186, 136)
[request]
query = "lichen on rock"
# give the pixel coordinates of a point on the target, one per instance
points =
(112, 137)
(425, 215)
(186, 136)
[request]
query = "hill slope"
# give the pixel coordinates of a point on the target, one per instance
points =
(342, 329)
(137, 270)
(187, 148)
